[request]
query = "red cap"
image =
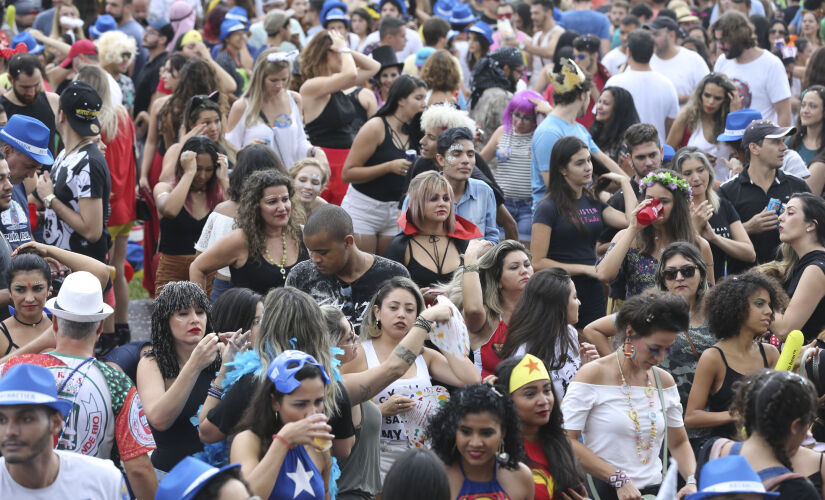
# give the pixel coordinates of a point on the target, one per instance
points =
(79, 48)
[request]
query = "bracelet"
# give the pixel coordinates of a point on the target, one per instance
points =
(281, 439)
(471, 268)
(618, 479)
(690, 479)
(47, 200)
(214, 391)
(424, 324)
(344, 50)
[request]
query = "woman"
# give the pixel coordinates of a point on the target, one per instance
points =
(615, 112)
(568, 221)
(117, 52)
(238, 309)
(476, 435)
(441, 74)
(390, 71)
(118, 134)
(610, 388)
(778, 33)
(222, 220)
(548, 452)
(803, 250)
(284, 431)
(174, 377)
(377, 163)
(184, 204)
(634, 252)
(361, 26)
(309, 177)
(394, 311)
(715, 217)
(810, 29)
(739, 312)
(66, 24)
(417, 474)
(270, 113)
(480, 38)
(808, 139)
(777, 407)
(702, 120)
(265, 227)
(329, 68)
(549, 304)
(510, 145)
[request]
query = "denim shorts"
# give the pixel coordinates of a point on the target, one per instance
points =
(522, 212)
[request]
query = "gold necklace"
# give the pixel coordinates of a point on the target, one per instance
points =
(272, 261)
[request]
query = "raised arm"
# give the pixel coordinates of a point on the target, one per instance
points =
(598, 333)
(474, 310)
(72, 260)
(225, 252)
(347, 77)
(169, 199)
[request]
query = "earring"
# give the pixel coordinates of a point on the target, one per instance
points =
(628, 349)
(374, 331)
(502, 457)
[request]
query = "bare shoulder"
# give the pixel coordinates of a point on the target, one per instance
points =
(665, 377)
(594, 371)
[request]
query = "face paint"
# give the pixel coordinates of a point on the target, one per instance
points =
(456, 147)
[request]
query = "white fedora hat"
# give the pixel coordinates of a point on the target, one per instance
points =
(80, 299)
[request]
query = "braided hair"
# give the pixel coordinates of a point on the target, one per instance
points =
(768, 402)
(175, 296)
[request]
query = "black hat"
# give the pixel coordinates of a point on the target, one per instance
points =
(385, 55)
(662, 22)
(764, 129)
(81, 103)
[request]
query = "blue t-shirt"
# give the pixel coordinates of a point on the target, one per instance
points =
(14, 222)
(586, 22)
(567, 243)
(551, 130)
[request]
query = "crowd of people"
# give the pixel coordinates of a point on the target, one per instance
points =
(505, 249)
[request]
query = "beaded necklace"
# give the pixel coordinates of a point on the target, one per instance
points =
(643, 450)
(272, 261)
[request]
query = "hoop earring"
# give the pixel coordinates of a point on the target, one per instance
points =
(502, 457)
(374, 331)
(628, 349)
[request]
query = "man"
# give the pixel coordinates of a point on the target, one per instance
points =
(615, 60)
(156, 36)
(43, 21)
(571, 94)
(82, 52)
(338, 273)
(76, 192)
(313, 18)
(393, 33)
(31, 419)
(24, 143)
(487, 11)
(585, 20)
(396, 9)
(745, 7)
(653, 94)
(684, 68)
(643, 12)
(277, 29)
(26, 96)
(121, 10)
(434, 30)
(495, 77)
(545, 37)
(618, 11)
(234, 56)
(140, 12)
(751, 190)
(759, 75)
(586, 51)
(107, 419)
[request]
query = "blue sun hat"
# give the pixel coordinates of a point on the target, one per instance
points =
(729, 475)
(29, 136)
(187, 478)
(443, 9)
(285, 366)
(229, 26)
(484, 30)
(103, 24)
(334, 10)
(668, 152)
(461, 16)
(238, 14)
(736, 123)
(28, 40)
(26, 384)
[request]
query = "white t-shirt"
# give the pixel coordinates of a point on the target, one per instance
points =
(79, 477)
(685, 70)
(653, 94)
(562, 377)
(413, 43)
(614, 59)
(762, 82)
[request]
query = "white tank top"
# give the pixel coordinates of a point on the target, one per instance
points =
(719, 150)
(392, 428)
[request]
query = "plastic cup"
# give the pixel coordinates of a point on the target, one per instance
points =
(322, 443)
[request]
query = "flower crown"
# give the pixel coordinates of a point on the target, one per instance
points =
(669, 181)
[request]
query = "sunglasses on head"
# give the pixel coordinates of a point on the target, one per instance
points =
(688, 271)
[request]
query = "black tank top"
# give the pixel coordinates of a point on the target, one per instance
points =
(333, 127)
(179, 235)
(40, 110)
(424, 277)
(360, 113)
(7, 333)
(388, 187)
(721, 399)
(260, 276)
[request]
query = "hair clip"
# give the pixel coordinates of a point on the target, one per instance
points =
(649, 318)
(495, 391)
(293, 343)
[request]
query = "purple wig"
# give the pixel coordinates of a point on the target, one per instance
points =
(521, 103)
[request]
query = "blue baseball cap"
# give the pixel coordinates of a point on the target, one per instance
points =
(229, 26)
(483, 29)
(27, 384)
(422, 55)
(29, 136)
(736, 123)
(28, 40)
(729, 475)
(462, 15)
(187, 478)
(103, 24)
(283, 368)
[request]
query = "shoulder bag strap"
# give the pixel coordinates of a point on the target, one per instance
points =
(664, 414)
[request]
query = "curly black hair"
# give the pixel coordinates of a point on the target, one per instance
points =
(563, 466)
(728, 302)
(474, 399)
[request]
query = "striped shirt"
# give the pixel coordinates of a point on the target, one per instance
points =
(513, 171)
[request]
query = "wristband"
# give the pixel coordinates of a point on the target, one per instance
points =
(690, 479)
(618, 479)
(47, 201)
(214, 391)
(344, 50)
(471, 268)
(281, 439)
(424, 324)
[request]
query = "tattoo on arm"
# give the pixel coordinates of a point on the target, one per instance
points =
(405, 354)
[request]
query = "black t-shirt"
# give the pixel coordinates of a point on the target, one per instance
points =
(228, 412)
(352, 298)
(567, 244)
(147, 82)
(817, 320)
(720, 222)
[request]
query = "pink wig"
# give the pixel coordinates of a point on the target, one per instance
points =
(521, 103)
(182, 18)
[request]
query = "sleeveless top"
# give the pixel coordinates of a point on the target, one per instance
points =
(12, 345)
(540, 467)
(179, 235)
(360, 472)
(40, 109)
(513, 172)
(260, 276)
(488, 490)
(489, 355)
(360, 117)
(721, 399)
(298, 478)
(388, 187)
(332, 128)
(719, 150)
(181, 439)
(424, 277)
(392, 428)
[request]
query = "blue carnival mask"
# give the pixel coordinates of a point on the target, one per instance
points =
(283, 368)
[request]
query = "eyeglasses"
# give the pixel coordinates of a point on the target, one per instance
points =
(581, 57)
(523, 117)
(687, 271)
(505, 16)
(125, 55)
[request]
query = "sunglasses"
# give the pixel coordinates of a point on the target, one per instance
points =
(781, 32)
(505, 16)
(687, 271)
